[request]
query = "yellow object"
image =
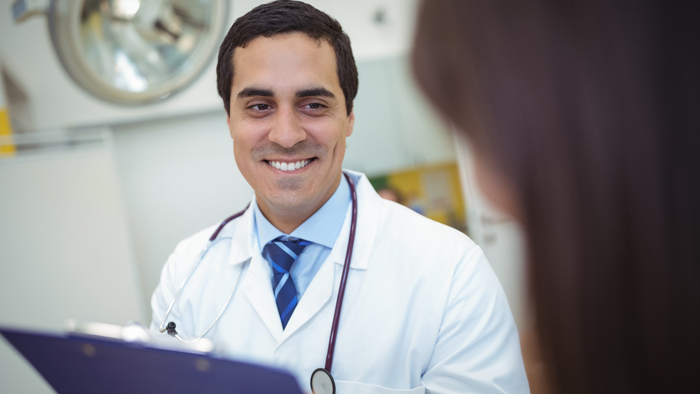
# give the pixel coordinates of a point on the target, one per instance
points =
(432, 190)
(7, 148)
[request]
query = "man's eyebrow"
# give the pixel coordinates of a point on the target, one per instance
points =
(323, 92)
(251, 92)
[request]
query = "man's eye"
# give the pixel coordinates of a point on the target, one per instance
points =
(315, 106)
(260, 107)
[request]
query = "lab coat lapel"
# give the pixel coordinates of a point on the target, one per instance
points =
(256, 284)
(315, 297)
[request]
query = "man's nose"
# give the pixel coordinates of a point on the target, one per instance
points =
(287, 130)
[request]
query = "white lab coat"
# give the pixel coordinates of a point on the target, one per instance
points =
(423, 310)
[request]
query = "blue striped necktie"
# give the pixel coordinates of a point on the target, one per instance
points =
(282, 255)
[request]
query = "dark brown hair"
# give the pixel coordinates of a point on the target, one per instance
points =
(280, 17)
(591, 109)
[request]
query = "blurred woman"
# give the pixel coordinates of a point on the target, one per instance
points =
(585, 119)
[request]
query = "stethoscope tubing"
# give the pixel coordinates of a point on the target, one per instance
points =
(344, 277)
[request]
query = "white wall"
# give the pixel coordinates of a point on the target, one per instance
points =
(65, 249)
(395, 127)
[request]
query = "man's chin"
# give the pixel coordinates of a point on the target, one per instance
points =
(289, 194)
(291, 205)
(293, 184)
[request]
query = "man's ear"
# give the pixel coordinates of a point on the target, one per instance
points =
(351, 123)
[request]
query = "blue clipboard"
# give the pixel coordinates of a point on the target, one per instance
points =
(77, 364)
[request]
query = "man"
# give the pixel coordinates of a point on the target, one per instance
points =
(422, 309)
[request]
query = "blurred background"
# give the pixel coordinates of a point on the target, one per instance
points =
(114, 146)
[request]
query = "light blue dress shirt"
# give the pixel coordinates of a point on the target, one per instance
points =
(322, 229)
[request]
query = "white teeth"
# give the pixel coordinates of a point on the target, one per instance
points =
(289, 166)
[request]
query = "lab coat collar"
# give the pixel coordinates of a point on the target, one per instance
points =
(243, 239)
(368, 214)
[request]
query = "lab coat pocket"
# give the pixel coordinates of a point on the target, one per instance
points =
(362, 388)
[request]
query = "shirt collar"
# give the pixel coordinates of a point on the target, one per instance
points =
(323, 227)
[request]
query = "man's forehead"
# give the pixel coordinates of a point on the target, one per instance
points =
(288, 63)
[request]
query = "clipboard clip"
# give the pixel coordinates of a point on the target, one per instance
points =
(136, 333)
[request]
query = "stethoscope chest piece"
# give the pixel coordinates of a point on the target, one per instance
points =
(322, 382)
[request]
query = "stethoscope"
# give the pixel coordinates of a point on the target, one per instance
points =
(322, 381)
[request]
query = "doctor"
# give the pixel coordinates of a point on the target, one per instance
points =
(422, 310)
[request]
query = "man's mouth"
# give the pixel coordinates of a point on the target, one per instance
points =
(289, 166)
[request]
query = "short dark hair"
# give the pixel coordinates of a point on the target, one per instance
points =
(280, 17)
(592, 110)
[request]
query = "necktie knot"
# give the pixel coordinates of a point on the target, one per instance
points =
(283, 253)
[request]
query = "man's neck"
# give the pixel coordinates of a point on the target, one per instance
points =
(287, 219)
(284, 220)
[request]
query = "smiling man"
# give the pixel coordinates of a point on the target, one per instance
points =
(422, 310)
(288, 119)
